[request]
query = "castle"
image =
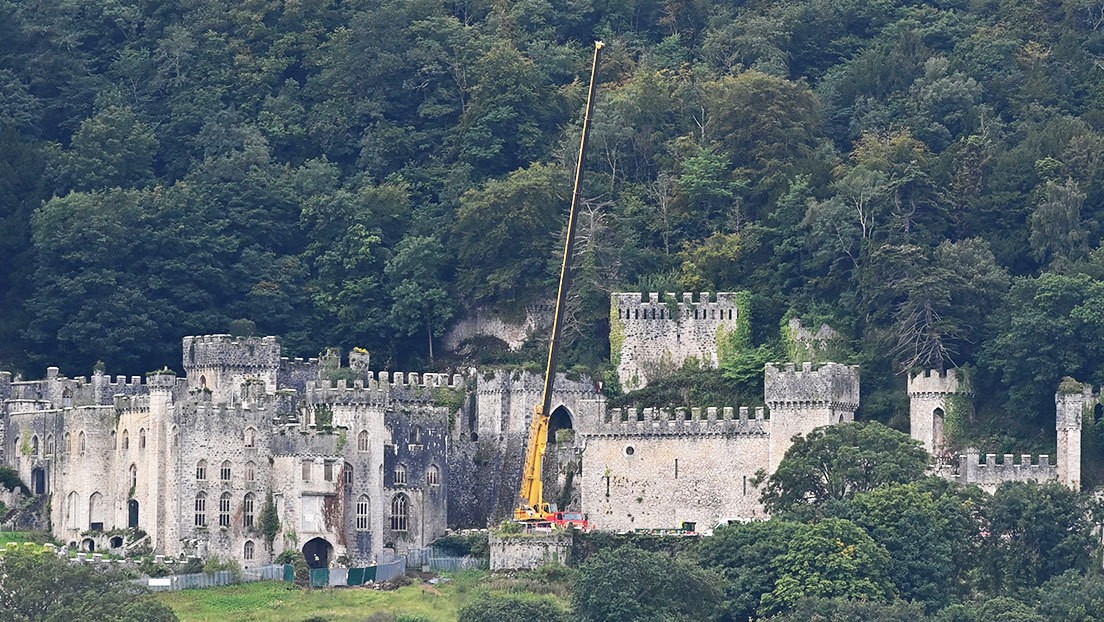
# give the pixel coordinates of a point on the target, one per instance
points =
(250, 453)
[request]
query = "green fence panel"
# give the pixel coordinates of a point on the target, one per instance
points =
(356, 576)
(320, 577)
(289, 573)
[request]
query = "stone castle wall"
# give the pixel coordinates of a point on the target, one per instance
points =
(804, 398)
(659, 468)
(988, 473)
(654, 334)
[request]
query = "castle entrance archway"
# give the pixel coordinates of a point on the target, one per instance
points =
(38, 480)
(132, 513)
(318, 553)
(561, 419)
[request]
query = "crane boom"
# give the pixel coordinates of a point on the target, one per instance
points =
(532, 505)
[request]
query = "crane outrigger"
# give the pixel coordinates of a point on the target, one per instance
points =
(533, 508)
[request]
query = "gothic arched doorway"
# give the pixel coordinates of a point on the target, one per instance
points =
(560, 420)
(38, 480)
(318, 552)
(132, 513)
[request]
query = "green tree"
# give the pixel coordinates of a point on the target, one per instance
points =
(505, 235)
(1040, 328)
(1036, 532)
(1073, 597)
(630, 585)
(41, 587)
(1058, 235)
(836, 462)
(111, 149)
(830, 559)
(416, 273)
(844, 610)
(490, 607)
(744, 554)
(922, 533)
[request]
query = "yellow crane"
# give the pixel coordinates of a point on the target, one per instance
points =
(533, 506)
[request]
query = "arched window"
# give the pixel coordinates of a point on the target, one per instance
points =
(224, 510)
(248, 550)
(114, 440)
(95, 512)
(400, 474)
(399, 509)
(80, 443)
(175, 437)
(49, 449)
(247, 510)
(224, 471)
(250, 437)
(133, 476)
(250, 471)
(201, 510)
(433, 475)
(126, 439)
(34, 446)
(65, 443)
(348, 474)
(362, 513)
(141, 438)
(67, 397)
(72, 511)
(416, 436)
(201, 470)
(362, 441)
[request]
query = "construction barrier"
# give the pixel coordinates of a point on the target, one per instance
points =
(341, 577)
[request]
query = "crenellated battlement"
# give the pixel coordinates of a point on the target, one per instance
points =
(653, 334)
(703, 306)
(132, 403)
(936, 382)
(828, 384)
(227, 351)
(378, 385)
(990, 470)
(682, 422)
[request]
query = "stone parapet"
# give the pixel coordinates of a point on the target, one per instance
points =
(528, 551)
(828, 384)
(934, 382)
(682, 422)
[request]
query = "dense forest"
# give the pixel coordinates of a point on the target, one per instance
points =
(926, 177)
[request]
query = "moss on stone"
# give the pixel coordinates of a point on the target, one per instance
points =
(617, 333)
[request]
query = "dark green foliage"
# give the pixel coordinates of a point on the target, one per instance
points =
(269, 521)
(457, 544)
(9, 479)
(37, 586)
(1073, 597)
(835, 463)
(1035, 533)
(510, 608)
(841, 610)
(631, 585)
(366, 174)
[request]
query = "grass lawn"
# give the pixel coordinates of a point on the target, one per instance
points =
(24, 536)
(270, 600)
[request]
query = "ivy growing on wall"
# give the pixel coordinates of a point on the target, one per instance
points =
(617, 333)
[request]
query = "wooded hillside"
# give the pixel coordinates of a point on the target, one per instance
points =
(926, 177)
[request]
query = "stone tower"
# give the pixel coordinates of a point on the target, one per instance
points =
(654, 334)
(1070, 403)
(803, 399)
(221, 364)
(931, 398)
